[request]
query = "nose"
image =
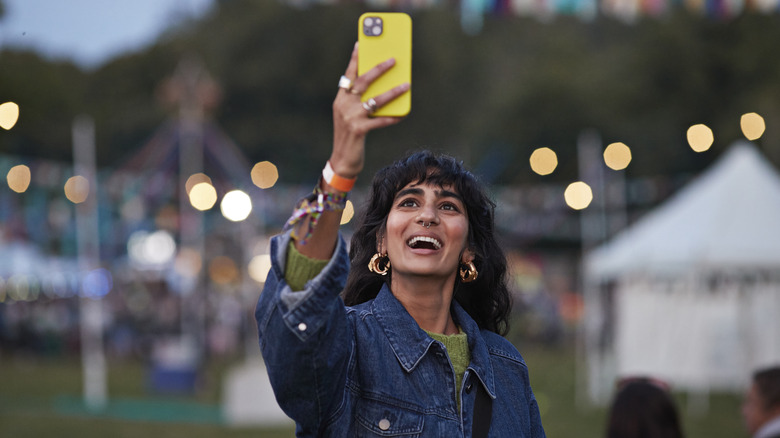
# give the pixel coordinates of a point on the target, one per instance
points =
(428, 216)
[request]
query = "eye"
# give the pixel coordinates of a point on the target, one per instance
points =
(449, 206)
(408, 202)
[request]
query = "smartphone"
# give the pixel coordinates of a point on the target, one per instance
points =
(384, 35)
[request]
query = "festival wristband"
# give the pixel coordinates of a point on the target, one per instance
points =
(337, 182)
(307, 214)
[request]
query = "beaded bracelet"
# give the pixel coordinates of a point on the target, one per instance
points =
(311, 207)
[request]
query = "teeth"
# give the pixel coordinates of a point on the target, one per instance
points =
(430, 240)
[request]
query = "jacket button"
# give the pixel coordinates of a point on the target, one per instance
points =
(384, 424)
(302, 326)
(469, 385)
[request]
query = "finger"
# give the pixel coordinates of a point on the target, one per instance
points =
(352, 67)
(391, 94)
(381, 122)
(362, 82)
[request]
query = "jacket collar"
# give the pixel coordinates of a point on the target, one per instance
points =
(410, 343)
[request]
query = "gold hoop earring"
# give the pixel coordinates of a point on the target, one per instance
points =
(468, 273)
(379, 264)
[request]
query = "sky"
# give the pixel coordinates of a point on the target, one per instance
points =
(90, 32)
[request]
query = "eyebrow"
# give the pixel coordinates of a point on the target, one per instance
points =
(439, 193)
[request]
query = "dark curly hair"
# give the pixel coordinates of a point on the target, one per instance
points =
(487, 298)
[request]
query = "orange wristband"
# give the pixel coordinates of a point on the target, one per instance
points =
(337, 182)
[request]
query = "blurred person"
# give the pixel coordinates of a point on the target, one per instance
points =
(643, 408)
(402, 336)
(761, 407)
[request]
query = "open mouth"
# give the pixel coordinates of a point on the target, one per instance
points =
(422, 242)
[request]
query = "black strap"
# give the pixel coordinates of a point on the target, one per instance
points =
(483, 411)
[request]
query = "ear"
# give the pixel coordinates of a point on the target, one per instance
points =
(467, 256)
(381, 242)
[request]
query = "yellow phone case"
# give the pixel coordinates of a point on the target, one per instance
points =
(384, 35)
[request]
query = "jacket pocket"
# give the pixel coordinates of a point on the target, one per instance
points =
(376, 418)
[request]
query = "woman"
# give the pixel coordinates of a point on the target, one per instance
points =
(643, 408)
(416, 351)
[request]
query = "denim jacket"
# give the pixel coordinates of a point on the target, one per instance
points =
(370, 370)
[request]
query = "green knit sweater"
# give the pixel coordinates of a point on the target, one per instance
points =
(457, 346)
(299, 269)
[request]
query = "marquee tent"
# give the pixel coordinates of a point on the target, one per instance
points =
(691, 292)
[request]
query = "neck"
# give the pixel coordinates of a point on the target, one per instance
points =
(428, 301)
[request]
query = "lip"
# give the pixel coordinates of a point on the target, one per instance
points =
(427, 237)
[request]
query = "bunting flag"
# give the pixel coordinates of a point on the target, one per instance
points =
(473, 11)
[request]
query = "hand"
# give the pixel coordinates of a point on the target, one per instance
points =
(352, 122)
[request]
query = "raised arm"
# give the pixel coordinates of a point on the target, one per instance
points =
(304, 333)
(351, 123)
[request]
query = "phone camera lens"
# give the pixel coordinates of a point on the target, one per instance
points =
(377, 30)
(368, 22)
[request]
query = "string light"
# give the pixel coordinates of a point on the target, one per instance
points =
(195, 179)
(203, 196)
(578, 195)
(752, 125)
(77, 189)
(543, 161)
(19, 178)
(700, 137)
(259, 267)
(265, 174)
(9, 115)
(349, 212)
(617, 156)
(236, 205)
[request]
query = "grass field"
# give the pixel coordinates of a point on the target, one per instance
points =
(42, 398)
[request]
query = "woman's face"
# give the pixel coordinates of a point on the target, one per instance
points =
(415, 249)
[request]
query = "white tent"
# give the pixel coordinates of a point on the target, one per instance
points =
(691, 292)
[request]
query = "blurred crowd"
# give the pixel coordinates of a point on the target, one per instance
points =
(135, 318)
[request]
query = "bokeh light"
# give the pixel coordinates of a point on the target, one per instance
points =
(194, 179)
(223, 270)
(349, 212)
(9, 115)
(19, 178)
(752, 125)
(203, 196)
(97, 283)
(77, 189)
(188, 263)
(157, 248)
(700, 137)
(259, 267)
(21, 287)
(578, 195)
(543, 161)
(264, 174)
(236, 205)
(617, 156)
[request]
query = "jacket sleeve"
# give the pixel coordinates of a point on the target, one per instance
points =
(305, 338)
